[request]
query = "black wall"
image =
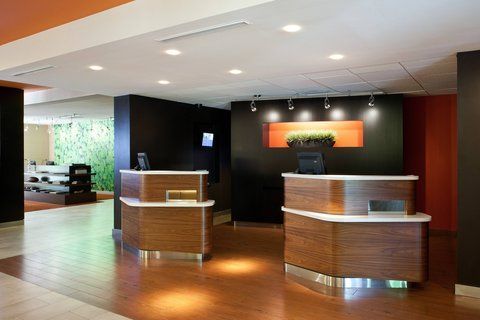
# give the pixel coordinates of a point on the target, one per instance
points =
(11, 154)
(468, 257)
(168, 131)
(257, 185)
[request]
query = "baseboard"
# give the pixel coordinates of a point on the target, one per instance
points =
(221, 217)
(11, 224)
(468, 291)
(257, 224)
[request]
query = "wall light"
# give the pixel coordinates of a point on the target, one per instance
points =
(371, 100)
(290, 104)
(326, 103)
(337, 114)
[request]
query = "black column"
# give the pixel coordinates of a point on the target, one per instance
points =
(468, 257)
(11, 154)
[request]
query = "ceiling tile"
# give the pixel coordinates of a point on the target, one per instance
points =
(298, 83)
(328, 74)
(399, 85)
(340, 80)
(354, 87)
(377, 68)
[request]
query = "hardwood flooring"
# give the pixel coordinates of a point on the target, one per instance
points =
(71, 252)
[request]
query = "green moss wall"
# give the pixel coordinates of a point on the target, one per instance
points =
(89, 142)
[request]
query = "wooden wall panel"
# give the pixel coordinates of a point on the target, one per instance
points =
(389, 251)
(345, 196)
(168, 229)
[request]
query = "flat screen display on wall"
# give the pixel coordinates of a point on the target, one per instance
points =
(207, 140)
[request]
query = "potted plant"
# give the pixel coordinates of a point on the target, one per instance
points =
(311, 138)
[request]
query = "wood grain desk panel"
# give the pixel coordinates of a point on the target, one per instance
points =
(388, 251)
(154, 187)
(168, 228)
(348, 197)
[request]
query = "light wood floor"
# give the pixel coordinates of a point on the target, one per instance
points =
(72, 253)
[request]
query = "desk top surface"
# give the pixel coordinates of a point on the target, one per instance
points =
(165, 172)
(347, 177)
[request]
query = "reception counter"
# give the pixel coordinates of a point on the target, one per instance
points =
(167, 213)
(349, 231)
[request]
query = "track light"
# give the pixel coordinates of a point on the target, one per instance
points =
(290, 104)
(326, 103)
(371, 100)
(253, 106)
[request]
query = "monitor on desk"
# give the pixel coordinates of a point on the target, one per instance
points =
(311, 163)
(143, 163)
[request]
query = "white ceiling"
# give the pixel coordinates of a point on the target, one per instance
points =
(389, 47)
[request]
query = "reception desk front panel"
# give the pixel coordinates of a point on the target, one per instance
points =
(167, 213)
(331, 235)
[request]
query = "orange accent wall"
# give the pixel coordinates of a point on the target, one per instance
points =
(430, 151)
(349, 133)
(25, 86)
(22, 18)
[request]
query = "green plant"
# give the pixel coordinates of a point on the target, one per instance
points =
(306, 136)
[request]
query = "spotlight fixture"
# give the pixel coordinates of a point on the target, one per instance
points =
(292, 28)
(253, 106)
(173, 52)
(326, 103)
(290, 104)
(371, 100)
(235, 71)
(96, 68)
(336, 56)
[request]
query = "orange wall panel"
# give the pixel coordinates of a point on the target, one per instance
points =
(430, 151)
(349, 133)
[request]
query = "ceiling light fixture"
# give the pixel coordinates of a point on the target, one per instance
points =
(96, 68)
(371, 101)
(173, 52)
(336, 56)
(206, 30)
(163, 82)
(290, 104)
(326, 103)
(235, 71)
(292, 28)
(253, 106)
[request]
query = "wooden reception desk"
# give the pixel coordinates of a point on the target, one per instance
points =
(167, 213)
(333, 236)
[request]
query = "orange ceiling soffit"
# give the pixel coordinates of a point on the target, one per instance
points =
(25, 86)
(23, 18)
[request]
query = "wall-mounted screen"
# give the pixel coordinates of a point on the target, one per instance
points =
(207, 140)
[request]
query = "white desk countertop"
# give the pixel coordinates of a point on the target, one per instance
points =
(347, 177)
(134, 202)
(371, 217)
(165, 172)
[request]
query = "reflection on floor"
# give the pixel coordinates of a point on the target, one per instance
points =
(70, 251)
(36, 206)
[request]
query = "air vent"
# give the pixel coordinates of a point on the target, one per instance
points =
(210, 29)
(22, 73)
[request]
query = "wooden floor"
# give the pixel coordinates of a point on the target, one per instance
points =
(243, 280)
(36, 206)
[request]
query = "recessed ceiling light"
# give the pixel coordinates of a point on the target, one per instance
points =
(292, 28)
(235, 71)
(336, 56)
(96, 68)
(164, 82)
(173, 52)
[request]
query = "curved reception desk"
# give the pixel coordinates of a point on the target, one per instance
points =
(167, 213)
(354, 231)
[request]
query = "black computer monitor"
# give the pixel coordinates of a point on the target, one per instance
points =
(311, 163)
(143, 161)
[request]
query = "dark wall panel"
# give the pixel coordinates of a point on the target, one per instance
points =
(11, 154)
(257, 185)
(166, 131)
(468, 257)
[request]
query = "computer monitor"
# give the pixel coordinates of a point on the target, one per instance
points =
(311, 163)
(143, 161)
